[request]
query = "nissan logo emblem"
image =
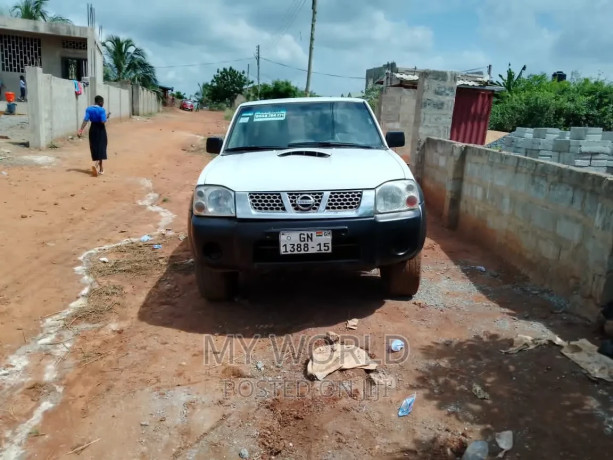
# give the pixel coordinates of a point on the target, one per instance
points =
(305, 202)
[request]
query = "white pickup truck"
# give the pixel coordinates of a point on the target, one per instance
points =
(306, 182)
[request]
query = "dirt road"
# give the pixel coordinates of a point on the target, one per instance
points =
(120, 358)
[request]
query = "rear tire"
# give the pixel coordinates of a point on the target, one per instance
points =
(402, 279)
(213, 285)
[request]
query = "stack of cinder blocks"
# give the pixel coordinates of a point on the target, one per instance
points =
(580, 147)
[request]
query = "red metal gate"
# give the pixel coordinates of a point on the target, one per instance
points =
(471, 115)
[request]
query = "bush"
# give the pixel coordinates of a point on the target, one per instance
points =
(539, 102)
(228, 114)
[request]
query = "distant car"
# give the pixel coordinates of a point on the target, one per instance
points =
(187, 105)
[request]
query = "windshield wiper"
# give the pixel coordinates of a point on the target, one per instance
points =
(253, 148)
(329, 144)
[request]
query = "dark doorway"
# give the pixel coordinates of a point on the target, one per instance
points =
(74, 68)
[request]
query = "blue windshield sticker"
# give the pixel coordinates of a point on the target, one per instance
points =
(246, 114)
(275, 115)
(243, 119)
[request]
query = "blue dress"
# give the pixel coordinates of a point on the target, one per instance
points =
(96, 115)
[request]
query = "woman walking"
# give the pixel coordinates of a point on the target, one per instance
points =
(98, 117)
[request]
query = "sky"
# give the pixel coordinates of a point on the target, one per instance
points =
(188, 40)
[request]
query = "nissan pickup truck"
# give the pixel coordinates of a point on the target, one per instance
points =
(306, 183)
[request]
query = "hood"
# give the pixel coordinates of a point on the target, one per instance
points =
(337, 169)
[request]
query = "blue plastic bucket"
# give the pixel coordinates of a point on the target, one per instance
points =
(10, 108)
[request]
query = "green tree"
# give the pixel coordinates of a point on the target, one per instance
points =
(278, 89)
(179, 95)
(35, 10)
(371, 95)
(510, 82)
(537, 101)
(123, 60)
(226, 84)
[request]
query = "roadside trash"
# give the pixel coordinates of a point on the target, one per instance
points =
(380, 377)
(525, 342)
(332, 337)
(477, 450)
(104, 260)
(330, 358)
(157, 246)
(504, 440)
(259, 366)
(397, 345)
(182, 237)
(4, 173)
(586, 355)
(606, 348)
(407, 406)
(352, 324)
(481, 269)
(480, 392)
(144, 423)
(244, 453)
(145, 238)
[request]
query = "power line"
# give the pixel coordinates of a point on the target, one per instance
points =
(305, 70)
(289, 18)
(202, 64)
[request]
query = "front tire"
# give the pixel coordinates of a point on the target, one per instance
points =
(214, 285)
(402, 279)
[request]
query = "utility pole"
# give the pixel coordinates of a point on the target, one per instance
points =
(257, 59)
(313, 20)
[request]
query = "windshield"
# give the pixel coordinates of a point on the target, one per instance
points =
(303, 124)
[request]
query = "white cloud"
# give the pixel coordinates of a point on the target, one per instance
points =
(353, 35)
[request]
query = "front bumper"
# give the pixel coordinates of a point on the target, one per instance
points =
(362, 243)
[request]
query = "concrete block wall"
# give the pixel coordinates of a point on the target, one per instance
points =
(589, 148)
(436, 93)
(144, 102)
(553, 222)
(55, 110)
(396, 112)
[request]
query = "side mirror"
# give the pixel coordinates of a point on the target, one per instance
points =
(213, 144)
(395, 139)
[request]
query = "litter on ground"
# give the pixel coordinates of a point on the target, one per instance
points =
(480, 392)
(407, 406)
(586, 355)
(504, 439)
(330, 358)
(525, 342)
(396, 345)
(352, 324)
(145, 238)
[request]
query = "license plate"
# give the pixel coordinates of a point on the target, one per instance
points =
(317, 242)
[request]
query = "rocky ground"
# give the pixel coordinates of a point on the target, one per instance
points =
(121, 358)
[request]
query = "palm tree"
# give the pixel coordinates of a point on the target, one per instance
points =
(125, 61)
(35, 10)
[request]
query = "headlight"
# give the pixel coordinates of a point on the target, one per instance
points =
(212, 200)
(396, 196)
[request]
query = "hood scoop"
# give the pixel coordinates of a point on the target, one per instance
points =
(305, 153)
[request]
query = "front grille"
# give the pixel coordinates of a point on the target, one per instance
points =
(344, 201)
(266, 202)
(317, 197)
